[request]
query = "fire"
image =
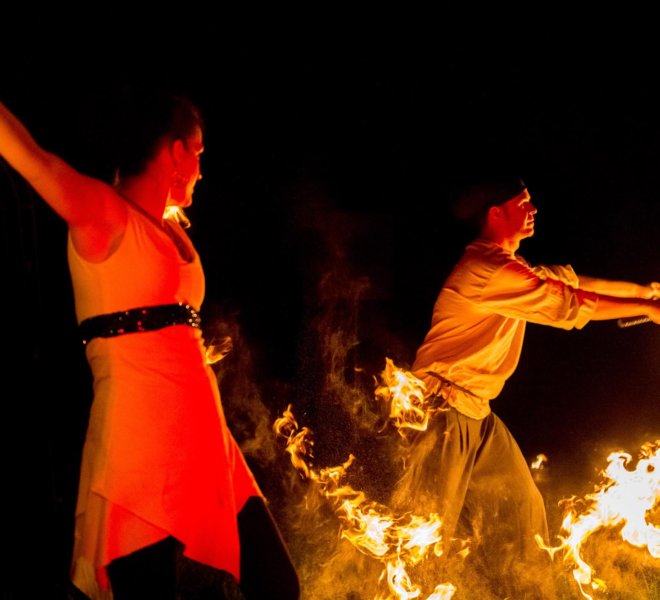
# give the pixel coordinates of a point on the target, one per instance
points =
(216, 352)
(397, 541)
(624, 498)
(539, 462)
(444, 591)
(409, 406)
(176, 213)
(400, 583)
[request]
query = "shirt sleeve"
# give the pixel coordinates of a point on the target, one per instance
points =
(562, 273)
(519, 291)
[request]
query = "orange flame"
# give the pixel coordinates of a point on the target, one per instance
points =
(176, 213)
(400, 582)
(409, 407)
(443, 591)
(367, 525)
(624, 498)
(539, 462)
(216, 352)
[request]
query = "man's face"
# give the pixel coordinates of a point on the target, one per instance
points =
(517, 216)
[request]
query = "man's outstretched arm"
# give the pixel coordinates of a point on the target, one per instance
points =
(620, 289)
(611, 307)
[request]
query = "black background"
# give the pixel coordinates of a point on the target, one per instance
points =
(337, 141)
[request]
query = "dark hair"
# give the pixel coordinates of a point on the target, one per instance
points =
(471, 204)
(144, 120)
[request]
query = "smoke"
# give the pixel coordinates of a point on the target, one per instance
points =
(249, 418)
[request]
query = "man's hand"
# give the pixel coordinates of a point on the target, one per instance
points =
(652, 291)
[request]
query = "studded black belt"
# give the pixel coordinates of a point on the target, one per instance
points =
(136, 320)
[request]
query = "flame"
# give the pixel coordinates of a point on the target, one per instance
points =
(176, 213)
(408, 398)
(369, 526)
(216, 352)
(443, 591)
(400, 582)
(623, 498)
(539, 462)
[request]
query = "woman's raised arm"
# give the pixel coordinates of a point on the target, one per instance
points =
(95, 214)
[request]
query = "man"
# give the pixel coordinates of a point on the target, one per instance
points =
(467, 467)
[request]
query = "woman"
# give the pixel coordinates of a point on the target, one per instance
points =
(161, 472)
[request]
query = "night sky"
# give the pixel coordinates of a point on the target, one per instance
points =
(336, 150)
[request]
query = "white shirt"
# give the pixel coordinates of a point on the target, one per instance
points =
(479, 320)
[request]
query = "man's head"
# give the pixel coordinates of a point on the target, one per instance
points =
(499, 209)
(471, 205)
(512, 221)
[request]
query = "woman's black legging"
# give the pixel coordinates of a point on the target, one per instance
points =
(150, 572)
(161, 572)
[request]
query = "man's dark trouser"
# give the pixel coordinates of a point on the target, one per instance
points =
(471, 471)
